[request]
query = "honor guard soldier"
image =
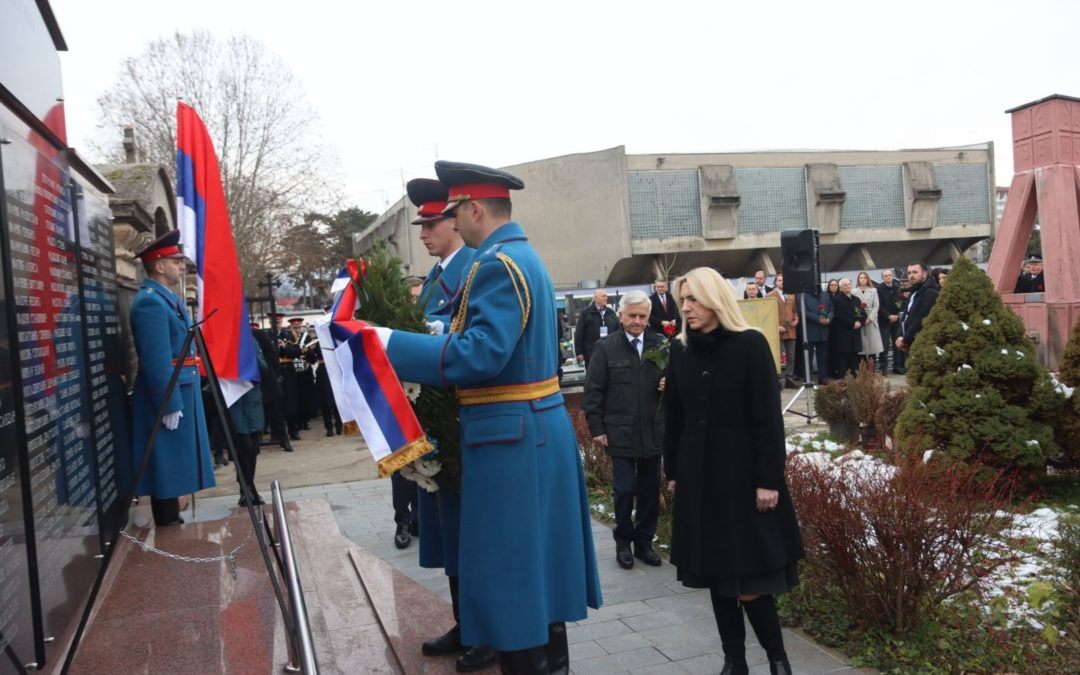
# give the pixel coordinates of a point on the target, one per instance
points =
(180, 461)
(438, 513)
(291, 364)
(527, 562)
(273, 387)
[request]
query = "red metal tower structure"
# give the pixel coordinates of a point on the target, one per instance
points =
(1046, 183)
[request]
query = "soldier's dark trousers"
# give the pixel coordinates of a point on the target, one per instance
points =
(331, 418)
(636, 478)
(275, 417)
(247, 453)
(294, 424)
(403, 492)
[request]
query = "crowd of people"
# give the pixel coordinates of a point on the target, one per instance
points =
(667, 374)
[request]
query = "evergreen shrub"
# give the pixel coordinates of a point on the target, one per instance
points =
(978, 394)
(1067, 424)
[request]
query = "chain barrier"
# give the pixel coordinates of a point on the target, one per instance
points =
(229, 557)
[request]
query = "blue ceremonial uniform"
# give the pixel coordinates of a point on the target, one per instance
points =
(180, 462)
(526, 549)
(439, 513)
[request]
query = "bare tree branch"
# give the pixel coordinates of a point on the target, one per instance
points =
(274, 164)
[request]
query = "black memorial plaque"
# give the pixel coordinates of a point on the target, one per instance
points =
(16, 620)
(52, 380)
(105, 354)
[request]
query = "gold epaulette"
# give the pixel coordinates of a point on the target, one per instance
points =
(517, 279)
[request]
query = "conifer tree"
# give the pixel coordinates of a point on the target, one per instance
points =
(1067, 424)
(978, 393)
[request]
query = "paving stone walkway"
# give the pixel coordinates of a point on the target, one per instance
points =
(649, 624)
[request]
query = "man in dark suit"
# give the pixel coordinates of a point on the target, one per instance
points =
(759, 280)
(622, 401)
(595, 323)
(664, 312)
(889, 320)
(924, 294)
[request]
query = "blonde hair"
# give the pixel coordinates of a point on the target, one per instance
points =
(711, 290)
(869, 281)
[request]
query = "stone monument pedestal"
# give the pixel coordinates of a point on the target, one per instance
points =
(160, 615)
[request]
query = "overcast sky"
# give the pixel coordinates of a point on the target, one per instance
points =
(399, 84)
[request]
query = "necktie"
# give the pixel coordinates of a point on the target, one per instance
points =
(635, 343)
(663, 302)
(435, 272)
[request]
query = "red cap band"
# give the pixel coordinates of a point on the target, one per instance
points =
(463, 193)
(432, 209)
(164, 252)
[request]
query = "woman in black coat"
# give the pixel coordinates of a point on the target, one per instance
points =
(844, 339)
(734, 529)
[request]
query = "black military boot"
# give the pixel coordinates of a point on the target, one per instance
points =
(477, 658)
(449, 642)
(558, 650)
(531, 661)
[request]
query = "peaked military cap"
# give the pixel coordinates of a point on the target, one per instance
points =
(1033, 259)
(165, 246)
(429, 196)
(465, 182)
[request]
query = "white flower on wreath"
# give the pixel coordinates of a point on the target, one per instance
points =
(412, 391)
(410, 472)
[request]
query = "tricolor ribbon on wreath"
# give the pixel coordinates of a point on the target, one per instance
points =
(367, 391)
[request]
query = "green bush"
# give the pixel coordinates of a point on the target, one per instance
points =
(1068, 557)
(1067, 424)
(977, 392)
(832, 403)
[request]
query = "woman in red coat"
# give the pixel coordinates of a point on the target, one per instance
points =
(734, 529)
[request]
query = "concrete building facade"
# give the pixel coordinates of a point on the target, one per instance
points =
(609, 218)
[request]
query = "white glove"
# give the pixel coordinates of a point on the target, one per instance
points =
(435, 327)
(384, 335)
(172, 420)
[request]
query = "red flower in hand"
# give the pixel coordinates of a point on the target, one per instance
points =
(821, 308)
(669, 329)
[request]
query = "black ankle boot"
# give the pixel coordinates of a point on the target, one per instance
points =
(531, 661)
(729, 623)
(444, 645)
(766, 623)
(558, 650)
(477, 658)
(780, 667)
(733, 668)
(450, 642)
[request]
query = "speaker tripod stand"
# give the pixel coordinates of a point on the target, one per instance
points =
(808, 380)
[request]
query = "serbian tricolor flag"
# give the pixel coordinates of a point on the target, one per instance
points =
(208, 242)
(368, 393)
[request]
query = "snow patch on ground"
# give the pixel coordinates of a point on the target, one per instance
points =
(1026, 545)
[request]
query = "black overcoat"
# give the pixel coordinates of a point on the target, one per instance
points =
(621, 397)
(724, 439)
(926, 295)
(844, 337)
(269, 379)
